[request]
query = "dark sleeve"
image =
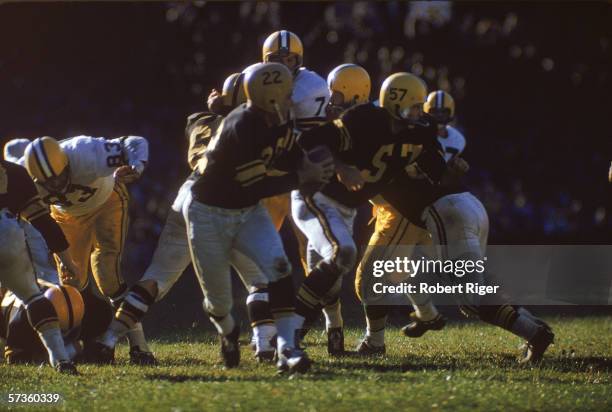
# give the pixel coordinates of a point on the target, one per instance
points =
(51, 232)
(249, 166)
(431, 161)
(331, 134)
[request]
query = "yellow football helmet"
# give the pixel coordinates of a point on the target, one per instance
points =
(68, 304)
(401, 92)
(47, 164)
(440, 105)
(280, 44)
(352, 81)
(268, 87)
(233, 90)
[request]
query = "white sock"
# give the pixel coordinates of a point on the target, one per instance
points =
(333, 316)
(113, 334)
(425, 311)
(224, 326)
(136, 337)
(525, 327)
(375, 331)
(286, 327)
(262, 335)
(54, 343)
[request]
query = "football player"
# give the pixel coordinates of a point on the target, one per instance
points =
(83, 180)
(23, 345)
(18, 197)
(224, 212)
(309, 98)
(39, 253)
(172, 256)
(399, 223)
(326, 218)
(459, 226)
(349, 85)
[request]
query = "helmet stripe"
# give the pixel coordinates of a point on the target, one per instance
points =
(41, 159)
(284, 40)
(237, 85)
(280, 40)
(440, 99)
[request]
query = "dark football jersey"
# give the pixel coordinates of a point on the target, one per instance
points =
(362, 137)
(19, 195)
(200, 129)
(234, 171)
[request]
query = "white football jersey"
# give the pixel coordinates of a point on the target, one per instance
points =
(310, 97)
(453, 144)
(93, 161)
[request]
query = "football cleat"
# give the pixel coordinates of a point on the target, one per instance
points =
(230, 348)
(293, 361)
(335, 342)
(534, 352)
(417, 328)
(141, 357)
(367, 349)
(265, 356)
(66, 368)
(98, 353)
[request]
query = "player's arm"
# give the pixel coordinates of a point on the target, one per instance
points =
(27, 204)
(125, 157)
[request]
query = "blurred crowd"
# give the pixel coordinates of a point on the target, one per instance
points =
(530, 85)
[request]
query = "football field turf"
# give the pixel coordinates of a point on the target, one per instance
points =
(467, 366)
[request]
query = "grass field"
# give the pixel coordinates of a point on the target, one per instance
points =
(468, 366)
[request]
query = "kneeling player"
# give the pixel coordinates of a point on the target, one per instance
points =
(22, 343)
(18, 196)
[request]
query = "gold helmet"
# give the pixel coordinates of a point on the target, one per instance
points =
(280, 44)
(352, 81)
(268, 87)
(400, 92)
(68, 304)
(233, 93)
(47, 164)
(441, 106)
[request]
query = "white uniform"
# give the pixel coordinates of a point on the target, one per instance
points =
(458, 222)
(453, 144)
(93, 161)
(310, 97)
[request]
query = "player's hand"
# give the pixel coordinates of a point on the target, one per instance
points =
(68, 270)
(126, 174)
(458, 165)
(318, 172)
(350, 177)
(215, 102)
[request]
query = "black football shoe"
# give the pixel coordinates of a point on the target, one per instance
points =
(335, 342)
(293, 361)
(364, 348)
(97, 353)
(66, 368)
(141, 357)
(230, 348)
(534, 351)
(417, 328)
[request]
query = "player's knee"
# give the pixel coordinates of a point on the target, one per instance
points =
(217, 308)
(346, 258)
(280, 268)
(41, 313)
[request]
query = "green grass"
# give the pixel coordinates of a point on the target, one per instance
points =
(467, 366)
